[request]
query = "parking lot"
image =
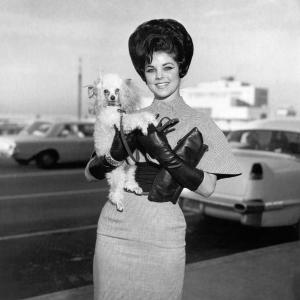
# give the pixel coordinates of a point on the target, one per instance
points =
(48, 230)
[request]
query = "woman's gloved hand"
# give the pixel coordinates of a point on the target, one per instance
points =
(156, 144)
(156, 139)
(98, 166)
(190, 148)
(118, 151)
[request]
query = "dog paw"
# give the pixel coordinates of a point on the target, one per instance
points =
(127, 126)
(144, 129)
(115, 199)
(127, 130)
(133, 189)
(120, 206)
(138, 191)
(147, 119)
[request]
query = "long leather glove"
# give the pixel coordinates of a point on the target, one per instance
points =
(156, 144)
(99, 166)
(190, 148)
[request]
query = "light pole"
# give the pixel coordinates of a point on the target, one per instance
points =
(79, 100)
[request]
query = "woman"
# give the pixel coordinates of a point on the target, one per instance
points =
(140, 253)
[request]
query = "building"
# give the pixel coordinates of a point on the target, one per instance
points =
(286, 112)
(228, 101)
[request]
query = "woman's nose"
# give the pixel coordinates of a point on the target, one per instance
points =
(159, 74)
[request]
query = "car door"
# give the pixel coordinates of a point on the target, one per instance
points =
(87, 140)
(289, 174)
(69, 143)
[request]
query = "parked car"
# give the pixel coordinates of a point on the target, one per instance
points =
(268, 191)
(50, 142)
(10, 128)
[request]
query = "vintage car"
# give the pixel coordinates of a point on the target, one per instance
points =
(10, 128)
(50, 142)
(267, 193)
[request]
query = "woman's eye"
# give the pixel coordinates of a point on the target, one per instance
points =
(168, 68)
(149, 70)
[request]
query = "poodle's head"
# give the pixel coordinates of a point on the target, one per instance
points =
(111, 90)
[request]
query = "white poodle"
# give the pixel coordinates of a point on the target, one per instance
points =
(114, 98)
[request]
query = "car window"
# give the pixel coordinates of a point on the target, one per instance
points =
(250, 139)
(40, 129)
(266, 140)
(285, 142)
(37, 128)
(10, 128)
(86, 129)
(76, 130)
(69, 130)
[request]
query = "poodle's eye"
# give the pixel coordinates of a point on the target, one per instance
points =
(106, 92)
(117, 91)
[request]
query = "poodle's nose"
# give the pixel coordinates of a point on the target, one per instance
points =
(112, 97)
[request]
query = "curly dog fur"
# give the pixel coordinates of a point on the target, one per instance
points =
(112, 95)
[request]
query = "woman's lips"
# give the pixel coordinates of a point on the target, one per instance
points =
(161, 85)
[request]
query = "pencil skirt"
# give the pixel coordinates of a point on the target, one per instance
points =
(133, 265)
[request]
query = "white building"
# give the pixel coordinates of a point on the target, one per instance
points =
(286, 112)
(228, 100)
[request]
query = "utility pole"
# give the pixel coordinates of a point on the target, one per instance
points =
(79, 100)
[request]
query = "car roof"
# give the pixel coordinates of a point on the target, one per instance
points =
(63, 121)
(288, 124)
(74, 122)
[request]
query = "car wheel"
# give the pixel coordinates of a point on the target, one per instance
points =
(22, 162)
(46, 159)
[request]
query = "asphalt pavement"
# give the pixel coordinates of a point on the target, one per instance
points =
(42, 249)
(270, 273)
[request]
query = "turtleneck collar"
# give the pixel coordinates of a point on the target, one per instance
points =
(171, 106)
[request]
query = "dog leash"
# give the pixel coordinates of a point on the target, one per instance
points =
(136, 160)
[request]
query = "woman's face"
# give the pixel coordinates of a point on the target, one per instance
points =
(162, 76)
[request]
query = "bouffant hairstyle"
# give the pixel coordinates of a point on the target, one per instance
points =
(164, 35)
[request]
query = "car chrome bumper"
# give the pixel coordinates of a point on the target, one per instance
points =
(258, 205)
(248, 212)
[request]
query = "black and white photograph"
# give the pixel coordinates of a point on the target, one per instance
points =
(150, 150)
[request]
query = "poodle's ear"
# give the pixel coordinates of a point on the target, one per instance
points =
(99, 80)
(100, 72)
(92, 90)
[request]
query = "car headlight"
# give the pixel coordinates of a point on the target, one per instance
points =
(11, 148)
(7, 149)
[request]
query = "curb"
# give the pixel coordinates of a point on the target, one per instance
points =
(242, 268)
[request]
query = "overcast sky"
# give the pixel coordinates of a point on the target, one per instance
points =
(256, 41)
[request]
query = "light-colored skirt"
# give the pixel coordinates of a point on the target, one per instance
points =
(140, 253)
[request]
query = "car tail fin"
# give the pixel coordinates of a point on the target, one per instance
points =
(256, 172)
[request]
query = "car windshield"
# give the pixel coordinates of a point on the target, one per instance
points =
(266, 140)
(37, 128)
